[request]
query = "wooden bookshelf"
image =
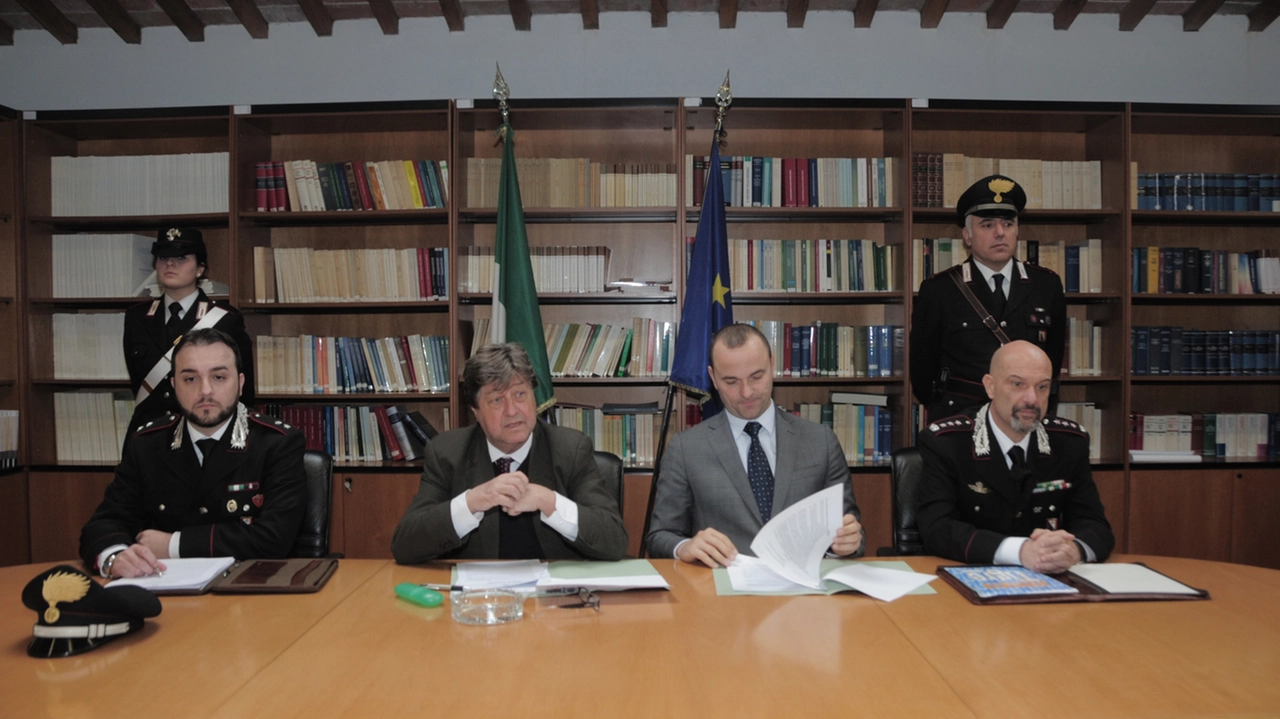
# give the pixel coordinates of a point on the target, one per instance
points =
(14, 520)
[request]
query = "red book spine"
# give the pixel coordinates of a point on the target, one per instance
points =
(279, 196)
(260, 185)
(751, 264)
(802, 182)
(424, 274)
(408, 365)
(786, 355)
(789, 182)
(362, 185)
(422, 184)
(699, 179)
(388, 435)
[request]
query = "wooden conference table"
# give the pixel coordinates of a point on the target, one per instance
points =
(353, 650)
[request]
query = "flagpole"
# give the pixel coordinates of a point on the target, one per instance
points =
(724, 97)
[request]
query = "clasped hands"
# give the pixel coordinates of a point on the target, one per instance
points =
(714, 549)
(514, 493)
(1050, 551)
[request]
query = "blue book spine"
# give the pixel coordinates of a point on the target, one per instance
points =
(766, 182)
(1198, 190)
(1250, 359)
(884, 342)
(1141, 350)
(813, 181)
(1073, 268)
(1135, 276)
(726, 178)
(795, 351)
(1253, 203)
(1267, 192)
(884, 433)
(1237, 352)
(757, 181)
(873, 354)
(1166, 351)
(806, 350)
(1177, 351)
(857, 269)
(1195, 339)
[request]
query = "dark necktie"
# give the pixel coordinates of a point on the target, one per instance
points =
(758, 472)
(171, 327)
(999, 296)
(1019, 471)
(518, 535)
(206, 448)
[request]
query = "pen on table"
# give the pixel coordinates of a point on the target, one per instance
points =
(445, 587)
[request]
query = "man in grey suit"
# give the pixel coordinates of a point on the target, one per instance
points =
(509, 487)
(722, 480)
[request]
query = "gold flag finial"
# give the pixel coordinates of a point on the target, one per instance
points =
(501, 92)
(724, 98)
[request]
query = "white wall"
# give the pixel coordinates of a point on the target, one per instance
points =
(1028, 60)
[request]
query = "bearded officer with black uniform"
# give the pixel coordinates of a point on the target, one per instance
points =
(1004, 485)
(213, 481)
(963, 314)
(151, 328)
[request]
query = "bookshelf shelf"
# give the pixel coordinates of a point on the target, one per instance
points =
(804, 214)
(346, 217)
(1088, 379)
(348, 307)
(113, 383)
(138, 223)
(750, 297)
(1201, 218)
(413, 464)
(935, 215)
(362, 397)
(541, 215)
(1197, 299)
(1201, 379)
(802, 381)
(1216, 462)
(96, 302)
(608, 381)
(578, 298)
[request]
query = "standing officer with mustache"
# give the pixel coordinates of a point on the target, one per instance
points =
(964, 314)
(1004, 485)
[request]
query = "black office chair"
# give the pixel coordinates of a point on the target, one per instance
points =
(313, 535)
(906, 470)
(610, 466)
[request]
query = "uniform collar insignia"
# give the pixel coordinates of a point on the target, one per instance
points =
(1022, 269)
(239, 429)
(1042, 438)
(981, 439)
(967, 270)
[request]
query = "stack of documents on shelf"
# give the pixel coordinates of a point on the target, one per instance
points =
(1149, 455)
(532, 575)
(789, 557)
(181, 576)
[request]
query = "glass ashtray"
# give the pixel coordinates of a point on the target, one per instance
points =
(486, 606)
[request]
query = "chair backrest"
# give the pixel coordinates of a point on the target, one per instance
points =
(610, 466)
(906, 471)
(313, 535)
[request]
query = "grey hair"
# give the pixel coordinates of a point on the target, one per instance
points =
(496, 364)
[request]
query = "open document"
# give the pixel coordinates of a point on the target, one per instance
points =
(191, 575)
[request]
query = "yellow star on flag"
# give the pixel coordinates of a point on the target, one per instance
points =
(718, 291)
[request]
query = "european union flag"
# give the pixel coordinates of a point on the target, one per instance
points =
(708, 305)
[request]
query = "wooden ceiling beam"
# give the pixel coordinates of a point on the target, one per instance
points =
(999, 12)
(184, 18)
(385, 13)
(250, 17)
(116, 18)
(796, 10)
(452, 11)
(1263, 14)
(1199, 13)
(728, 14)
(1066, 13)
(590, 14)
(932, 12)
(52, 20)
(864, 11)
(1133, 12)
(520, 14)
(6, 33)
(658, 13)
(319, 17)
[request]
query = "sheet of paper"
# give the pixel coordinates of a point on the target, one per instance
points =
(1129, 579)
(181, 575)
(793, 542)
(492, 575)
(883, 584)
(609, 576)
(752, 574)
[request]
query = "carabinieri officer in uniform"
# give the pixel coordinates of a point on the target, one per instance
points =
(964, 314)
(151, 329)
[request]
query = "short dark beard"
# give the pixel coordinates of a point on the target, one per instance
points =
(222, 416)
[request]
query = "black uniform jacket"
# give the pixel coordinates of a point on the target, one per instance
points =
(560, 459)
(946, 331)
(244, 503)
(969, 501)
(145, 342)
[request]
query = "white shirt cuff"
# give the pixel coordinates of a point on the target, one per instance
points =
(565, 519)
(676, 552)
(1010, 550)
(464, 520)
(175, 543)
(102, 556)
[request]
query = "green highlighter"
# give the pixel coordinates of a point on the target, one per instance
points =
(419, 595)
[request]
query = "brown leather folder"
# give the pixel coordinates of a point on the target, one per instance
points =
(275, 576)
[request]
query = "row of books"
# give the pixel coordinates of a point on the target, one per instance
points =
(574, 182)
(939, 178)
(1089, 416)
(1238, 435)
(8, 438)
(1083, 355)
(601, 350)
(1078, 264)
(865, 432)
(751, 181)
(310, 186)
(93, 186)
(1191, 270)
(555, 269)
(308, 364)
(829, 349)
(94, 265)
(304, 274)
(91, 426)
(87, 346)
(1169, 350)
(813, 266)
(359, 433)
(630, 435)
(1209, 191)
